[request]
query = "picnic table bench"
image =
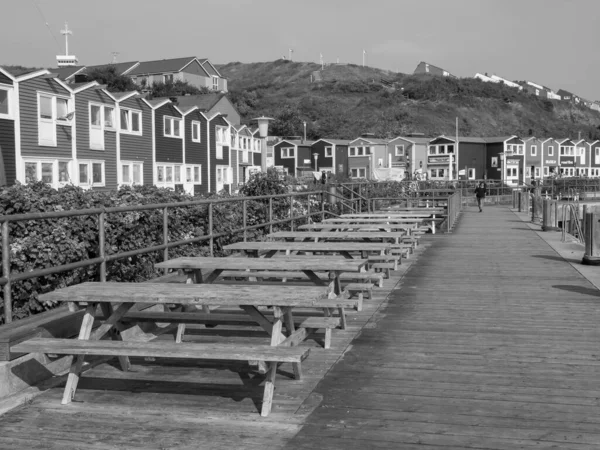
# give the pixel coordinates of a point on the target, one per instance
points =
(394, 237)
(117, 299)
(359, 227)
(343, 248)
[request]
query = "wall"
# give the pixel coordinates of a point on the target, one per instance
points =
(168, 149)
(139, 148)
(288, 163)
(322, 161)
(7, 148)
(197, 152)
(341, 160)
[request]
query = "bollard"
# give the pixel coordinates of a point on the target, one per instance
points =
(332, 192)
(549, 222)
(591, 232)
(536, 208)
(514, 199)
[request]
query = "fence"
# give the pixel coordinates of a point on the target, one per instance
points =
(343, 198)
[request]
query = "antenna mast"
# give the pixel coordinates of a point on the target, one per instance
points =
(66, 59)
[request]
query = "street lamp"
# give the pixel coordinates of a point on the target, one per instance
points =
(263, 132)
(316, 156)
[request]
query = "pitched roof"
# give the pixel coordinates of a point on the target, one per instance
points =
(65, 73)
(204, 102)
(162, 66)
(121, 68)
(17, 71)
(334, 141)
(416, 139)
(297, 142)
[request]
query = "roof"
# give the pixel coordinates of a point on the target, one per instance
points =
(297, 142)
(121, 68)
(186, 109)
(17, 71)
(162, 66)
(475, 140)
(156, 102)
(67, 72)
(121, 95)
(416, 140)
(204, 102)
(334, 141)
(371, 140)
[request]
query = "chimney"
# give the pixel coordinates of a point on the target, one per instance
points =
(173, 100)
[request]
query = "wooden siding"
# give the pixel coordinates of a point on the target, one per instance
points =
(214, 162)
(5, 80)
(84, 150)
(28, 105)
(322, 160)
(288, 163)
(592, 155)
(234, 161)
(341, 160)
(197, 152)
(493, 150)
(139, 148)
(7, 149)
(168, 149)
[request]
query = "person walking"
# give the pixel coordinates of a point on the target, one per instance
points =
(480, 192)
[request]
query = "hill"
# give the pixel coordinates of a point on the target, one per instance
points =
(343, 101)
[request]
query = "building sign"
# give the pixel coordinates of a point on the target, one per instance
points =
(550, 161)
(567, 161)
(307, 161)
(439, 160)
(513, 161)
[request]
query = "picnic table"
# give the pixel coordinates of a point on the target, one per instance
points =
(118, 299)
(359, 226)
(394, 237)
(346, 249)
(406, 217)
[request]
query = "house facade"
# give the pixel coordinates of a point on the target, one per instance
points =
(549, 157)
(533, 159)
(8, 117)
(594, 159)
(424, 68)
(441, 159)
(408, 154)
(326, 151)
(294, 157)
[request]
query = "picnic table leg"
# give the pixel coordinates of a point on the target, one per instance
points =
(269, 390)
(337, 289)
(115, 335)
(289, 324)
(193, 277)
(75, 372)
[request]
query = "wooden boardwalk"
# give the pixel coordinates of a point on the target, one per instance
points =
(492, 342)
(489, 341)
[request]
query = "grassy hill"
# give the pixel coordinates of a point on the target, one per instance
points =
(343, 101)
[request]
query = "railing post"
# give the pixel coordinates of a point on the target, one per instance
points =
(449, 213)
(323, 206)
(101, 244)
(270, 215)
(166, 236)
(6, 273)
(292, 213)
(359, 198)
(308, 209)
(245, 217)
(210, 229)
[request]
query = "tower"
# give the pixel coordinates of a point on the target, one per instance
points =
(66, 60)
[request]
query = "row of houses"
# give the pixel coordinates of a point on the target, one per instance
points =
(81, 134)
(510, 159)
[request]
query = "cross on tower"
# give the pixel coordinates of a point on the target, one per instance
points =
(66, 32)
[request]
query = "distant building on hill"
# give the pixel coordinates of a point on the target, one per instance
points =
(430, 69)
(497, 79)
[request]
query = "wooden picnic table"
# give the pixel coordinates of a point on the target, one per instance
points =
(394, 237)
(379, 220)
(117, 299)
(365, 227)
(405, 217)
(194, 266)
(344, 248)
(390, 215)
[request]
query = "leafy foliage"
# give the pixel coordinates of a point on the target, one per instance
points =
(115, 82)
(176, 88)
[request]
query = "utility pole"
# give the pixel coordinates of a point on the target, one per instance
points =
(456, 152)
(364, 56)
(291, 50)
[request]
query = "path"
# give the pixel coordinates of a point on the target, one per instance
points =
(492, 342)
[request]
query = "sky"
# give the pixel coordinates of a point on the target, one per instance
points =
(549, 42)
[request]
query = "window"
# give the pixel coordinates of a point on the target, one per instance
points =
(54, 172)
(172, 127)
(287, 152)
(215, 83)
(193, 174)
(432, 150)
(109, 117)
(132, 173)
(581, 154)
(597, 155)
(567, 150)
(101, 119)
(196, 131)
(359, 151)
(91, 173)
(439, 173)
(5, 107)
(224, 176)
(328, 152)
(131, 121)
(551, 151)
(534, 150)
(471, 174)
(450, 148)
(527, 171)
(399, 150)
(167, 175)
(537, 172)
(168, 78)
(52, 111)
(546, 172)
(358, 172)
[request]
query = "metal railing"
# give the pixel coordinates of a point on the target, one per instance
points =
(571, 223)
(8, 277)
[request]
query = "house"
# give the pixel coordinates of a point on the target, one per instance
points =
(294, 157)
(549, 152)
(539, 90)
(68, 73)
(211, 104)
(195, 150)
(95, 134)
(242, 155)
(219, 145)
(430, 69)
(445, 160)
(365, 154)
(533, 157)
(135, 141)
(566, 157)
(197, 72)
(506, 159)
(408, 153)
(8, 113)
(44, 136)
(568, 96)
(257, 150)
(497, 79)
(594, 159)
(582, 157)
(330, 154)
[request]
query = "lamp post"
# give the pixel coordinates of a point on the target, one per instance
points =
(263, 132)
(316, 157)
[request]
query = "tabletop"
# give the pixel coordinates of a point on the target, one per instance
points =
(383, 220)
(309, 246)
(312, 263)
(357, 226)
(195, 294)
(341, 235)
(390, 215)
